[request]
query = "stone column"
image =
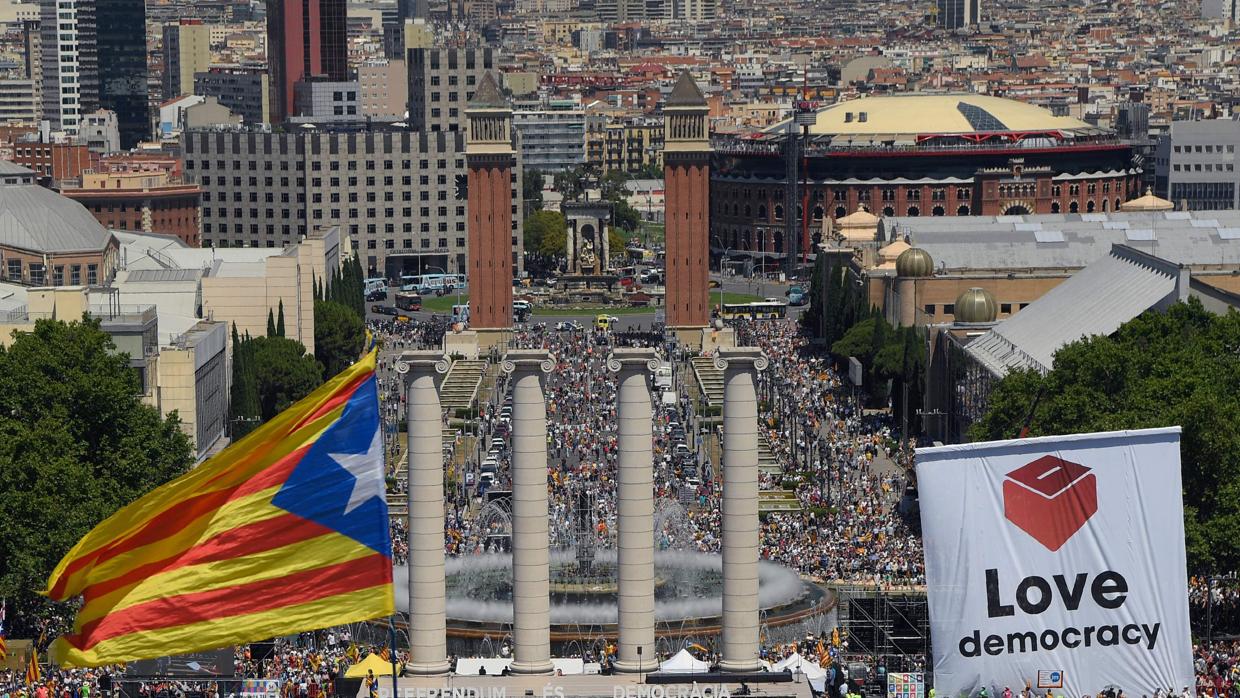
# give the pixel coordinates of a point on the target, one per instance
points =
(635, 509)
(428, 640)
(531, 585)
(740, 508)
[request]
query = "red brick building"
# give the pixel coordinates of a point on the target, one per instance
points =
(142, 201)
(916, 155)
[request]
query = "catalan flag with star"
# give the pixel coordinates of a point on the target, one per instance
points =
(282, 532)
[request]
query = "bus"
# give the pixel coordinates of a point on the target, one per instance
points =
(409, 282)
(440, 284)
(409, 301)
(759, 310)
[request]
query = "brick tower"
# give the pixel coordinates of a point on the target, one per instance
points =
(489, 155)
(686, 171)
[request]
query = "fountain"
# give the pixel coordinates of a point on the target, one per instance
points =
(688, 587)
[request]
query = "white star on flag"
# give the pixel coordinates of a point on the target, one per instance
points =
(367, 471)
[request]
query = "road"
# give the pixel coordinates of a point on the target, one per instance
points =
(633, 321)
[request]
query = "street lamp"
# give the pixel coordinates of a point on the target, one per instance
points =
(456, 287)
(722, 259)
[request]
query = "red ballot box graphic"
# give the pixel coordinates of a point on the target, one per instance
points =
(1050, 499)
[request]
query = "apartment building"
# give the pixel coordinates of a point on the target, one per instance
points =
(1196, 164)
(395, 193)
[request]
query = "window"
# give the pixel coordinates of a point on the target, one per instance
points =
(75, 274)
(15, 269)
(949, 309)
(929, 309)
(1005, 308)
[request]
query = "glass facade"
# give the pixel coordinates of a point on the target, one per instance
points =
(121, 45)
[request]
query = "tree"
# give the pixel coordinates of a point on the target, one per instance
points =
(243, 406)
(554, 244)
(76, 444)
(570, 183)
(1180, 367)
(285, 373)
(271, 324)
(338, 336)
(625, 216)
(611, 185)
(538, 226)
(280, 320)
(531, 190)
(615, 245)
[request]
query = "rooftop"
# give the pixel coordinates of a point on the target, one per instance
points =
(916, 114)
(39, 220)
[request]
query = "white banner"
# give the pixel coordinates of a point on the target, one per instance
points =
(1057, 560)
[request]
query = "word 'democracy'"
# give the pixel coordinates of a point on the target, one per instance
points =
(1062, 553)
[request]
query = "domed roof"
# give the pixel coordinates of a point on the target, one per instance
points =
(1148, 202)
(914, 263)
(976, 305)
(858, 225)
(892, 252)
(38, 220)
(905, 114)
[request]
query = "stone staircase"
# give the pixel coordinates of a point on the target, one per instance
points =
(460, 387)
(766, 457)
(709, 379)
(778, 500)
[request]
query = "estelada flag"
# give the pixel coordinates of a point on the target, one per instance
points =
(284, 531)
(33, 673)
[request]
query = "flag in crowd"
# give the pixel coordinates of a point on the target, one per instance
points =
(33, 673)
(284, 531)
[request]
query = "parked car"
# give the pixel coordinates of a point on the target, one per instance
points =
(384, 309)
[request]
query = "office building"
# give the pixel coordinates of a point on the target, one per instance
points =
(18, 101)
(305, 38)
(393, 191)
(94, 57)
(122, 76)
(100, 131)
(147, 201)
(1226, 10)
(954, 14)
(187, 51)
(322, 101)
(551, 140)
(1196, 164)
(32, 43)
(384, 88)
(441, 83)
(243, 89)
(69, 61)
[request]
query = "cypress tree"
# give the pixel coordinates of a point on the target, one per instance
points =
(280, 320)
(271, 323)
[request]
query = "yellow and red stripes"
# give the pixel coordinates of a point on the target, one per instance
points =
(207, 560)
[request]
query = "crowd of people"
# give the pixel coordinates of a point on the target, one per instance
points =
(848, 470)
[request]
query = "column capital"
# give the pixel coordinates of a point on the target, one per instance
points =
(740, 359)
(518, 361)
(631, 359)
(411, 364)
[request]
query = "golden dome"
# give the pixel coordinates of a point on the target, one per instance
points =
(1147, 202)
(976, 305)
(914, 263)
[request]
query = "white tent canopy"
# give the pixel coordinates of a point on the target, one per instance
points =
(684, 663)
(815, 674)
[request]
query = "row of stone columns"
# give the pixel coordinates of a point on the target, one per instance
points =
(635, 526)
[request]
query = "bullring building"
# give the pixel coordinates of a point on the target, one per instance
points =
(913, 155)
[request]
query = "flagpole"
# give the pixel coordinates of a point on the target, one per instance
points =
(392, 630)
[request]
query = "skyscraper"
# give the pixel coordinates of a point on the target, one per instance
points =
(121, 62)
(954, 14)
(94, 57)
(187, 50)
(305, 38)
